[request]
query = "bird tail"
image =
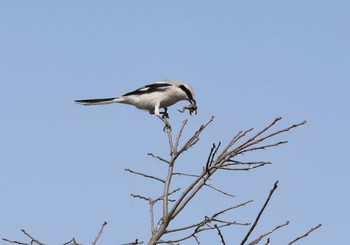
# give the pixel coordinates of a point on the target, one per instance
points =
(103, 101)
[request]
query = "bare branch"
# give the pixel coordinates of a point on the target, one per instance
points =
(252, 141)
(180, 134)
(238, 136)
(141, 197)
(170, 193)
(226, 155)
(174, 155)
(188, 175)
(144, 175)
(210, 159)
(71, 242)
(234, 207)
(241, 169)
(220, 235)
(234, 163)
(224, 160)
(212, 218)
(99, 233)
(152, 202)
(261, 147)
(167, 187)
(159, 158)
(194, 139)
(198, 230)
(264, 130)
(257, 240)
(218, 190)
(15, 242)
(268, 241)
(306, 234)
(133, 243)
(32, 240)
(260, 213)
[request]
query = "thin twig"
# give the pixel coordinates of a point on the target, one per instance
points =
(141, 197)
(305, 235)
(260, 213)
(15, 242)
(218, 190)
(220, 235)
(99, 233)
(257, 240)
(180, 134)
(31, 237)
(272, 134)
(133, 243)
(71, 242)
(237, 137)
(268, 241)
(198, 230)
(158, 157)
(144, 175)
(210, 219)
(194, 139)
(214, 153)
(240, 169)
(261, 147)
(33, 240)
(234, 207)
(264, 130)
(209, 157)
(234, 163)
(187, 175)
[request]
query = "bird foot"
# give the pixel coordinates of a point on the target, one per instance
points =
(165, 114)
(167, 127)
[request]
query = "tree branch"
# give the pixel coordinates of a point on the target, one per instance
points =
(220, 191)
(220, 235)
(257, 240)
(260, 213)
(306, 234)
(159, 158)
(32, 240)
(99, 233)
(144, 175)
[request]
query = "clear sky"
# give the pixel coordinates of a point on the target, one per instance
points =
(62, 165)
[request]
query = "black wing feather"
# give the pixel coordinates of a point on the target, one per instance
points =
(150, 88)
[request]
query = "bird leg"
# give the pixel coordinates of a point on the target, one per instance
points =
(164, 117)
(165, 113)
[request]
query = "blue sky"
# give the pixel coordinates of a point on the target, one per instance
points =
(249, 62)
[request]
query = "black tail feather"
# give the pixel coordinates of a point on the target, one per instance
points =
(94, 101)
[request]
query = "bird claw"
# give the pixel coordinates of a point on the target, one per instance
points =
(191, 108)
(165, 118)
(167, 127)
(165, 114)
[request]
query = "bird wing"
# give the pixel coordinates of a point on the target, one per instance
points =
(150, 88)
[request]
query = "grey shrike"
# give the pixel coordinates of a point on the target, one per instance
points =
(152, 97)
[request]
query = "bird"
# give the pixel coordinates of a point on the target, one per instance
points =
(153, 97)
